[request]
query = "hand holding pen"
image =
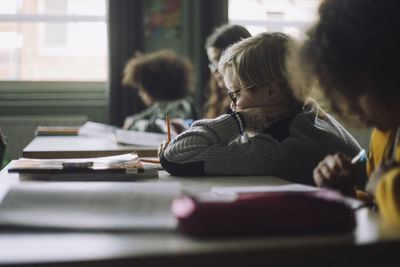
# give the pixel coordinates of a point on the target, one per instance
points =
(339, 172)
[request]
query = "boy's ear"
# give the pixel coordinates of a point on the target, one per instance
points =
(274, 91)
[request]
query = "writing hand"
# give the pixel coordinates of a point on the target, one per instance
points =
(162, 147)
(336, 172)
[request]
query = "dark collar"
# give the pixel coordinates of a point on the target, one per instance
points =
(280, 129)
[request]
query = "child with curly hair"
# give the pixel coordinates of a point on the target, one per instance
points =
(164, 81)
(352, 51)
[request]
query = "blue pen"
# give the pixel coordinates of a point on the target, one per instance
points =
(360, 157)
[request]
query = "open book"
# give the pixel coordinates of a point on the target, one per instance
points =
(90, 206)
(127, 137)
(125, 167)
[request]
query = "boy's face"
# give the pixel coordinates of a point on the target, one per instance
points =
(245, 98)
(379, 113)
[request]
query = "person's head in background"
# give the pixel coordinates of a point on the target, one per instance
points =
(216, 43)
(159, 77)
(255, 73)
(355, 59)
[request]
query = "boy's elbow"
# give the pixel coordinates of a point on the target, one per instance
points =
(182, 169)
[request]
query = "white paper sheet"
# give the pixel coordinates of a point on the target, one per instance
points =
(93, 205)
(130, 137)
(95, 129)
(231, 191)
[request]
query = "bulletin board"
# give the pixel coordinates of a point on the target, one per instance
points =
(162, 19)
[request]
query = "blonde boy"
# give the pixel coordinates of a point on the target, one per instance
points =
(270, 132)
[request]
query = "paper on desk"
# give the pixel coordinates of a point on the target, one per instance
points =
(231, 190)
(234, 190)
(96, 129)
(130, 137)
(94, 205)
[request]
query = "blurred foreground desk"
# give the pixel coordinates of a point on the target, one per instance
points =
(80, 147)
(369, 245)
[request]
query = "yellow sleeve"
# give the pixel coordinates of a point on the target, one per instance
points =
(375, 145)
(387, 197)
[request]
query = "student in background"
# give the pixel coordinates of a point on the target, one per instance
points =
(164, 81)
(218, 101)
(270, 132)
(353, 51)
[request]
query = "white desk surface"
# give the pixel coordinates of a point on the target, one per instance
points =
(80, 146)
(370, 243)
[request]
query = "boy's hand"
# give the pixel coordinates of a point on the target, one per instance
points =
(337, 172)
(378, 174)
(128, 123)
(162, 147)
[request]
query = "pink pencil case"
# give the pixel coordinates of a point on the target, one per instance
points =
(266, 212)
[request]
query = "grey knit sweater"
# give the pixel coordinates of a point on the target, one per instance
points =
(215, 147)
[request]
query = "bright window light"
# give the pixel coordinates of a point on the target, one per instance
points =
(53, 40)
(289, 16)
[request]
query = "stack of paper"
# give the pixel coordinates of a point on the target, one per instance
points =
(123, 167)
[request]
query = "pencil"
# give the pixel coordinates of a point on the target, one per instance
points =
(359, 157)
(168, 128)
(150, 160)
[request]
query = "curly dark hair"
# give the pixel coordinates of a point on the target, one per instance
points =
(163, 75)
(354, 49)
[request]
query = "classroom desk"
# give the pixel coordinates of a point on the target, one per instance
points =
(81, 147)
(370, 244)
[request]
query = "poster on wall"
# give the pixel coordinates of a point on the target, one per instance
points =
(162, 19)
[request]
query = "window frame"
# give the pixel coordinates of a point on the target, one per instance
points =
(50, 93)
(33, 93)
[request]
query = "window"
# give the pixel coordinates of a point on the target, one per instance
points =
(53, 40)
(289, 16)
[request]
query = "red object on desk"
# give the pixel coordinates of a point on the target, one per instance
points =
(266, 212)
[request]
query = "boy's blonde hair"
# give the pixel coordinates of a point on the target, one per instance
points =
(260, 62)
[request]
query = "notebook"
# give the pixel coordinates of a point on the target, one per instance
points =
(56, 130)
